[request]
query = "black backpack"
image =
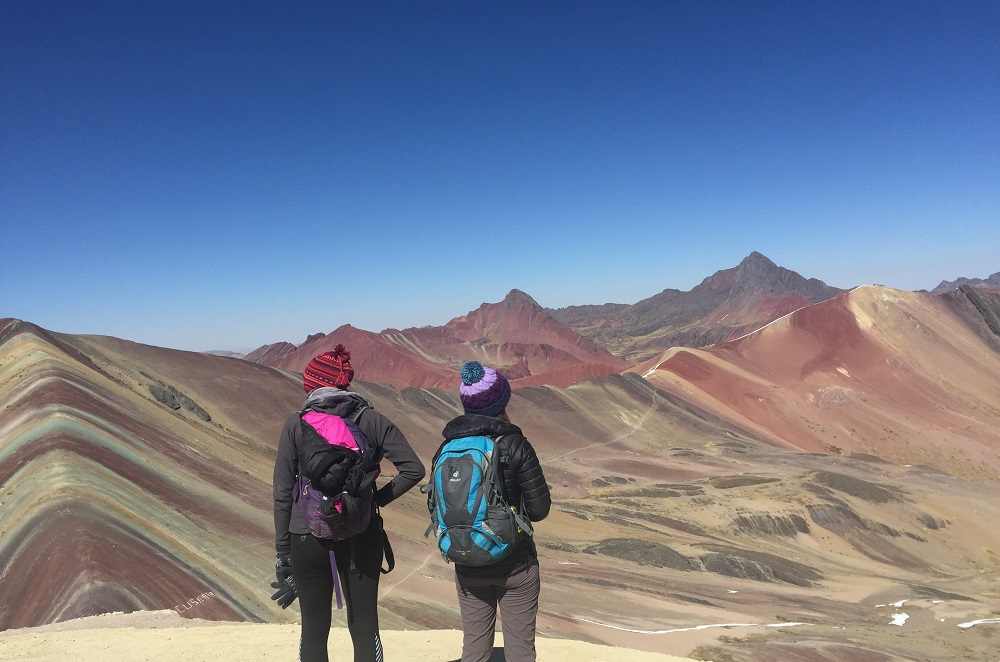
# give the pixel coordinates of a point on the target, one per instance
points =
(336, 487)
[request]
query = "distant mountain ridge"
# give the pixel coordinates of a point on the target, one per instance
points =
(992, 281)
(725, 305)
(535, 345)
(515, 334)
(837, 374)
(683, 476)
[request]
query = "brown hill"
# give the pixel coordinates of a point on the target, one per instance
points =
(725, 305)
(991, 282)
(885, 372)
(516, 334)
(134, 477)
(979, 308)
(270, 354)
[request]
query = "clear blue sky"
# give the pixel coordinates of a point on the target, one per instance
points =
(204, 176)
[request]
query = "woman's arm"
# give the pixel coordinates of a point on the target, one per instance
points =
(530, 478)
(283, 484)
(410, 470)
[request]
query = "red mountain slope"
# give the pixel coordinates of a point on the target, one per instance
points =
(270, 354)
(515, 334)
(876, 370)
(725, 305)
(375, 359)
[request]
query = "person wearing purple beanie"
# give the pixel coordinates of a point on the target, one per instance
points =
(484, 391)
(515, 583)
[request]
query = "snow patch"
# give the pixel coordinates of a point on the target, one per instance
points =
(897, 604)
(981, 621)
(783, 317)
(899, 619)
(654, 368)
(692, 628)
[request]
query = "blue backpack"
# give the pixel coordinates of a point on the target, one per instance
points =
(475, 524)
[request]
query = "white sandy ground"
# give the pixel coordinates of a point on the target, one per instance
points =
(165, 637)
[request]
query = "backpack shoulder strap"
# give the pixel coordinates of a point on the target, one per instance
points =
(496, 468)
(522, 522)
(356, 416)
(437, 453)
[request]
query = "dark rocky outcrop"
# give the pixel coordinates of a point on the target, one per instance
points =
(643, 552)
(937, 594)
(759, 566)
(988, 305)
(662, 520)
(729, 482)
(766, 524)
(866, 536)
(931, 522)
(608, 481)
(687, 488)
(171, 397)
(856, 487)
(979, 308)
(836, 517)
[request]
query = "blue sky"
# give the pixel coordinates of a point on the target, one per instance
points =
(211, 176)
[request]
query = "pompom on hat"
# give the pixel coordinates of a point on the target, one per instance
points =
(329, 369)
(483, 390)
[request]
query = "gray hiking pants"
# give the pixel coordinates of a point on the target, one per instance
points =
(516, 592)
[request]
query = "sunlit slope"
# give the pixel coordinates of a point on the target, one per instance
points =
(162, 637)
(515, 334)
(891, 373)
(112, 500)
(134, 477)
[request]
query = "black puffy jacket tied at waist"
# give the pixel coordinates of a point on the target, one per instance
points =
(524, 483)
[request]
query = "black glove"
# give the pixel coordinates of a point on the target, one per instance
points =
(286, 592)
(282, 567)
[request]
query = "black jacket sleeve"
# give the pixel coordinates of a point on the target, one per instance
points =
(534, 490)
(410, 470)
(283, 485)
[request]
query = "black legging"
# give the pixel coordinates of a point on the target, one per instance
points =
(359, 562)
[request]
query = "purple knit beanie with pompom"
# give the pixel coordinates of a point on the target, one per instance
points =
(483, 390)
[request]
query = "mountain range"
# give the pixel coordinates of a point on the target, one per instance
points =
(534, 345)
(515, 334)
(724, 305)
(992, 282)
(785, 494)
